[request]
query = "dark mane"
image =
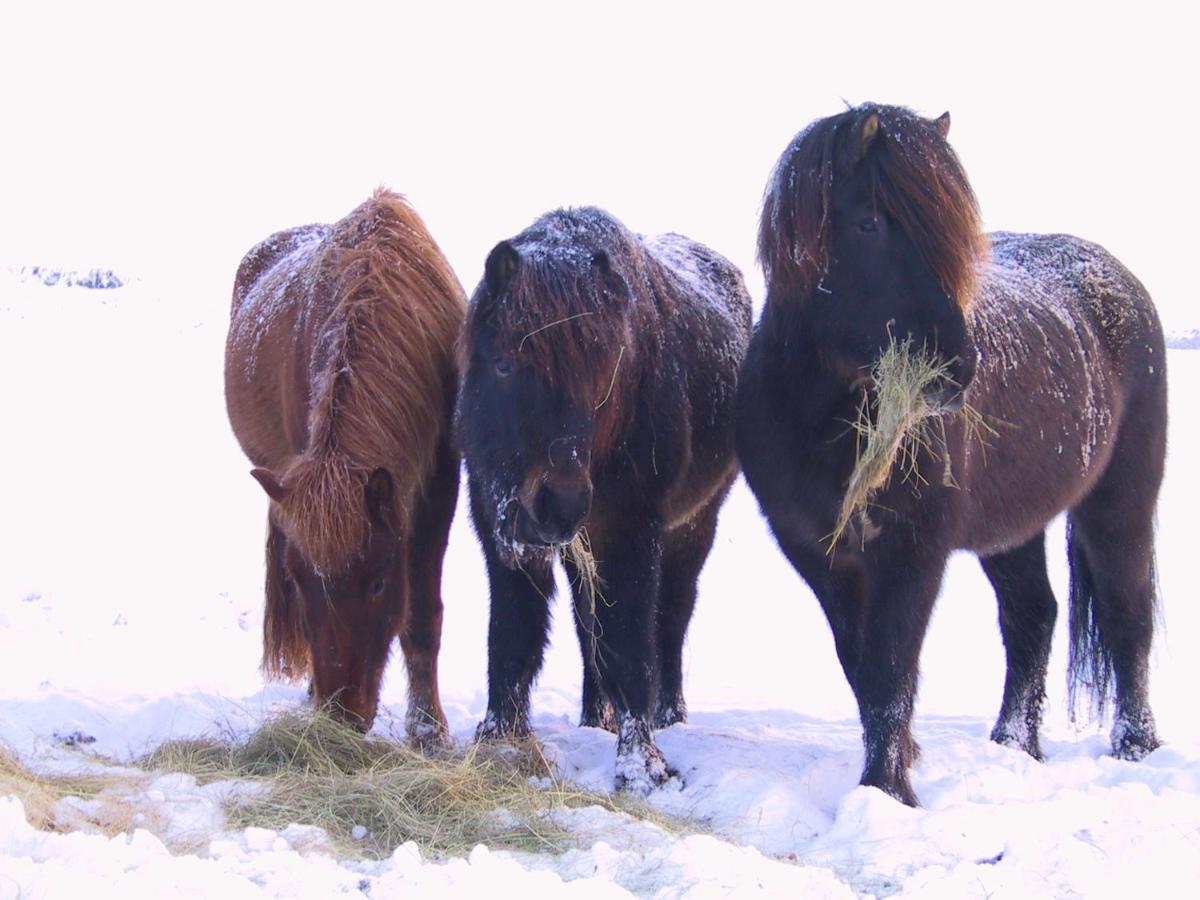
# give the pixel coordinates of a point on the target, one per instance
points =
(568, 311)
(916, 178)
(378, 400)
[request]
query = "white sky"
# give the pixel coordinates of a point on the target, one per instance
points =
(169, 140)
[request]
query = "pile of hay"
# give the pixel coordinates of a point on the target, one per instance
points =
(895, 423)
(371, 795)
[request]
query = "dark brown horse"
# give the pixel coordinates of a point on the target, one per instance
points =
(340, 381)
(600, 371)
(870, 231)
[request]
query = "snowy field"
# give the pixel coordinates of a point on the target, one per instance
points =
(130, 610)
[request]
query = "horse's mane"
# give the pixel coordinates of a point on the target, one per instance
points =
(916, 177)
(380, 397)
(581, 308)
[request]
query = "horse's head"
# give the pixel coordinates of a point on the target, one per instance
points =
(545, 359)
(349, 604)
(870, 219)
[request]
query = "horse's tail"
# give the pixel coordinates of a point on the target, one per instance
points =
(285, 649)
(1090, 664)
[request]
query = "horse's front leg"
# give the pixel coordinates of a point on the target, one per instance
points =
(902, 585)
(629, 557)
(518, 628)
(421, 626)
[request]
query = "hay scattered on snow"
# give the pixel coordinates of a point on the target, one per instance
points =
(895, 423)
(372, 795)
(95, 803)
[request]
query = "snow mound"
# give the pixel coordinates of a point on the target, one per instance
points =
(96, 279)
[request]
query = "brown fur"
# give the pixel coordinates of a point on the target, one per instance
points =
(339, 362)
(918, 180)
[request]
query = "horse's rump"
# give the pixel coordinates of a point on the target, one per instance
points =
(1068, 339)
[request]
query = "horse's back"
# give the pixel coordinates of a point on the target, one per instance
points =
(1071, 355)
(710, 329)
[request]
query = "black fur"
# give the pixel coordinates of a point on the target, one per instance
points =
(598, 391)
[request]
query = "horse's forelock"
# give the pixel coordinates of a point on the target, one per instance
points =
(921, 184)
(553, 317)
(324, 509)
(918, 180)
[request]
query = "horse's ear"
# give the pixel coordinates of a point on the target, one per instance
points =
(501, 263)
(270, 483)
(378, 495)
(867, 134)
(602, 265)
(942, 124)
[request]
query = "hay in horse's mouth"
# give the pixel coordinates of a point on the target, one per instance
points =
(894, 424)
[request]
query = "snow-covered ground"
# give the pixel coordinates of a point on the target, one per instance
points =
(130, 609)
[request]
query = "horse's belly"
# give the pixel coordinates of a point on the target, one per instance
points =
(1022, 477)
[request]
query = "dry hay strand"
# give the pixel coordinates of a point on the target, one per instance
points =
(97, 804)
(371, 795)
(579, 554)
(894, 424)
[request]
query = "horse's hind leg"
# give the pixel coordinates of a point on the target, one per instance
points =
(1112, 613)
(421, 626)
(684, 553)
(1027, 613)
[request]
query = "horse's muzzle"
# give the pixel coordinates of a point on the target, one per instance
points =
(555, 515)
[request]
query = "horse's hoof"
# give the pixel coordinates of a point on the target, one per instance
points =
(430, 742)
(670, 714)
(1028, 744)
(1134, 738)
(605, 717)
(900, 790)
(641, 766)
(493, 728)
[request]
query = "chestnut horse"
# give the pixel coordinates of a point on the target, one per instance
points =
(869, 232)
(340, 381)
(599, 376)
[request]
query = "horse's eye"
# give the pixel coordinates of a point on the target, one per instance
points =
(504, 367)
(868, 225)
(377, 586)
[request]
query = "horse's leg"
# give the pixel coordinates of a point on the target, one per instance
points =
(684, 553)
(1027, 613)
(421, 625)
(840, 590)
(629, 559)
(1113, 581)
(1112, 571)
(904, 585)
(597, 710)
(518, 628)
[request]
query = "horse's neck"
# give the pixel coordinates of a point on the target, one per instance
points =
(816, 395)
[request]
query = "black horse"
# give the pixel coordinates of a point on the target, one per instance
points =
(869, 232)
(600, 375)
